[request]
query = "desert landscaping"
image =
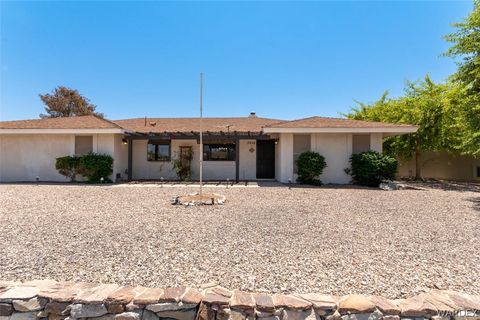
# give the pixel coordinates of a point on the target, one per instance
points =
(332, 240)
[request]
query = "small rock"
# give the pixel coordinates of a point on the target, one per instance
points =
(53, 316)
(242, 300)
(262, 314)
(335, 316)
(205, 313)
(237, 315)
(223, 314)
(87, 310)
(169, 306)
(320, 301)
(33, 304)
(392, 185)
(192, 296)
(264, 302)
(271, 318)
(19, 293)
(106, 317)
(115, 308)
(133, 306)
(6, 309)
(298, 314)
(42, 314)
(128, 316)
(356, 303)
(376, 315)
(390, 317)
(58, 308)
(23, 316)
(179, 315)
(149, 315)
(290, 302)
(362, 316)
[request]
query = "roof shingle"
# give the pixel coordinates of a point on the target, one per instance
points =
(78, 122)
(159, 125)
(324, 122)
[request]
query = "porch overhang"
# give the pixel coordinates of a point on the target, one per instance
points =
(193, 135)
(207, 136)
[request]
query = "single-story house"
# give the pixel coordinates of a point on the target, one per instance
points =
(241, 148)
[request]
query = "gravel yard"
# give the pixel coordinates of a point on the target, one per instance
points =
(330, 240)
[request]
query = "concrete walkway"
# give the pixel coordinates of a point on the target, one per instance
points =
(196, 184)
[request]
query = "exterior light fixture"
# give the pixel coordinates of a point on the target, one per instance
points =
(161, 182)
(101, 180)
(124, 141)
(228, 181)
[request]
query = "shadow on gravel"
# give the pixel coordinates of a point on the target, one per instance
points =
(446, 185)
(55, 183)
(476, 203)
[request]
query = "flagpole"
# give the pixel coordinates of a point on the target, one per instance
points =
(201, 133)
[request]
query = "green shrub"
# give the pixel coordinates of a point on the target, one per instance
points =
(371, 168)
(68, 166)
(309, 166)
(95, 166)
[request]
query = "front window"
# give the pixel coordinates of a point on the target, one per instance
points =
(158, 151)
(219, 152)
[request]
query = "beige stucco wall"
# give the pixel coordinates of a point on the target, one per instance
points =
(376, 142)
(212, 170)
(120, 156)
(248, 160)
(143, 169)
(335, 147)
(24, 157)
(285, 158)
(440, 165)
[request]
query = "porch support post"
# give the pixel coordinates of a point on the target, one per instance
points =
(237, 160)
(130, 156)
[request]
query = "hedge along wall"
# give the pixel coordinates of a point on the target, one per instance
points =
(66, 300)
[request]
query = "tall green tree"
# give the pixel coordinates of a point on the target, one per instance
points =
(67, 102)
(447, 113)
(426, 104)
(466, 46)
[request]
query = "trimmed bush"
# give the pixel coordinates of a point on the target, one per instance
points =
(68, 166)
(95, 166)
(371, 168)
(310, 165)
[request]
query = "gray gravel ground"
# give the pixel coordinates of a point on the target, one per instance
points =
(330, 240)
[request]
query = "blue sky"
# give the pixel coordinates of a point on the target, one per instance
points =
(281, 59)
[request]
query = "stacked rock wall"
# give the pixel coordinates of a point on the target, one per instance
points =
(51, 300)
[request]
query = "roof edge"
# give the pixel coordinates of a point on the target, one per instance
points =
(400, 130)
(61, 131)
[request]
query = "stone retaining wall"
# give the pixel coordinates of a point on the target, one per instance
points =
(51, 300)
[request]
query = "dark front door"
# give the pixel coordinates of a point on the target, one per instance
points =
(265, 159)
